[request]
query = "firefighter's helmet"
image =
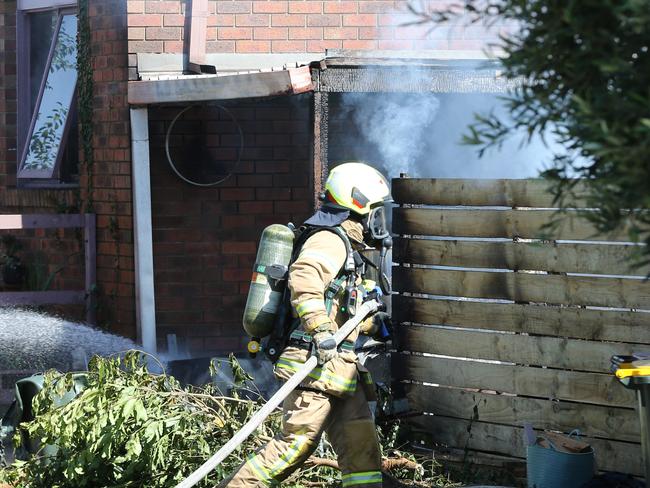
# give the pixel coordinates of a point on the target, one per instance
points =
(357, 187)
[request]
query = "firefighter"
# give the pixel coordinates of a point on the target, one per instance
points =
(324, 280)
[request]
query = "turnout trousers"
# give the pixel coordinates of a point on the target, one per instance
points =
(306, 415)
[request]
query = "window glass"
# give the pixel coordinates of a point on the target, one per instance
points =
(41, 33)
(54, 106)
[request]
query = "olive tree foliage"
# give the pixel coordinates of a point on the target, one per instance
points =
(584, 68)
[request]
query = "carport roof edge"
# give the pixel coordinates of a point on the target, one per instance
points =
(338, 71)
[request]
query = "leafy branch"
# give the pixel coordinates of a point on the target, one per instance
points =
(131, 428)
(584, 72)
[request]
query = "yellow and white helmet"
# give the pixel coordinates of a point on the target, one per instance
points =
(357, 187)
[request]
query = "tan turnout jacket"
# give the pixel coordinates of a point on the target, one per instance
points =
(321, 259)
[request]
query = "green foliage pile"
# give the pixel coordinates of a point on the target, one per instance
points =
(131, 428)
(584, 68)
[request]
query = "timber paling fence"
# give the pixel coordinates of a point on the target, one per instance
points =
(498, 327)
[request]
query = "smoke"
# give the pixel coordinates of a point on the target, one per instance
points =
(391, 127)
(421, 134)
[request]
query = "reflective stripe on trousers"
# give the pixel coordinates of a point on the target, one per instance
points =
(361, 479)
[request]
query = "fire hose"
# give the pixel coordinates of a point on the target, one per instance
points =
(256, 420)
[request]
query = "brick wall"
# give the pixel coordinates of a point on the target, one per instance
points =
(110, 188)
(7, 93)
(296, 26)
(111, 181)
(205, 239)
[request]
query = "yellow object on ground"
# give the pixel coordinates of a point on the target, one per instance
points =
(635, 368)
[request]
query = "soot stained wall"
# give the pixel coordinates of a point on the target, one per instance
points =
(205, 239)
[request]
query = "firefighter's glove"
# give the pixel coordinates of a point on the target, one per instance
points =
(378, 326)
(324, 346)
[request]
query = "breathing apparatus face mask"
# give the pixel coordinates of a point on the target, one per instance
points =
(376, 224)
(377, 235)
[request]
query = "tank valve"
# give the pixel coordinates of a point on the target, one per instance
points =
(253, 346)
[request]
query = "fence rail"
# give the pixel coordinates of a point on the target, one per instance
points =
(65, 297)
(495, 332)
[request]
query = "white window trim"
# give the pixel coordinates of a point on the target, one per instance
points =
(26, 5)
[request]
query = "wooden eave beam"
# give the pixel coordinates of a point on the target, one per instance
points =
(227, 87)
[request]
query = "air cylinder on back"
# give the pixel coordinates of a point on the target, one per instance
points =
(267, 283)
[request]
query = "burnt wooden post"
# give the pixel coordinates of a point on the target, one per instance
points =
(320, 142)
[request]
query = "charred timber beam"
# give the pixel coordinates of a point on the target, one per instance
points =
(412, 79)
(225, 87)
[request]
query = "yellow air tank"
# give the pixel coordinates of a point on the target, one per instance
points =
(267, 283)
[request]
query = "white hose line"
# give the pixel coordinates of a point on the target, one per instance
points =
(362, 312)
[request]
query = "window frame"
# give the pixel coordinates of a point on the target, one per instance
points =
(26, 120)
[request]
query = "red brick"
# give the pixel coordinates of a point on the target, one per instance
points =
(163, 33)
(360, 20)
(375, 7)
(289, 207)
(280, 20)
(240, 222)
(270, 7)
(252, 20)
(321, 46)
(145, 20)
(305, 33)
(162, 7)
(341, 33)
(324, 20)
(234, 33)
(145, 46)
(135, 34)
(239, 247)
(174, 46)
(237, 194)
(373, 33)
(135, 6)
(253, 46)
(255, 180)
(272, 167)
(220, 46)
(222, 20)
(173, 20)
(305, 7)
(360, 44)
(340, 7)
(233, 7)
(288, 46)
(273, 193)
(270, 33)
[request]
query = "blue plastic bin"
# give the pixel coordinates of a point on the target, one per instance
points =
(549, 468)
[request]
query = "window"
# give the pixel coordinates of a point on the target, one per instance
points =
(47, 80)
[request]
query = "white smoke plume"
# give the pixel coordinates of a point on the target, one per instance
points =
(394, 126)
(420, 134)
